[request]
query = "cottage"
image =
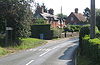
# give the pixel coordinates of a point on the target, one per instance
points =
(48, 15)
(76, 18)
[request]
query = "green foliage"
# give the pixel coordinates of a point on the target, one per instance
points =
(40, 21)
(27, 43)
(98, 18)
(97, 34)
(62, 16)
(85, 30)
(57, 32)
(73, 28)
(82, 60)
(90, 48)
(3, 51)
(18, 15)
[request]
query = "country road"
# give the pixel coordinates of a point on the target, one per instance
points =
(61, 52)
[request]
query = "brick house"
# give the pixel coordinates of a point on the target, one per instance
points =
(48, 15)
(76, 18)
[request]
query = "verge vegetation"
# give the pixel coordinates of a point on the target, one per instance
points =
(89, 49)
(26, 43)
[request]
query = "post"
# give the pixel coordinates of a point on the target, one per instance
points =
(6, 36)
(92, 20)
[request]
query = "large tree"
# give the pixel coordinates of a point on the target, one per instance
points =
(17, 15)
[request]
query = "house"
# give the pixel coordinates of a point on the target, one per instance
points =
(76, 18)
(48, 15)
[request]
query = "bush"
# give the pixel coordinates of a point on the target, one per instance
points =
(73, 28)
(91, 48)
(97, 34)
(3, 51)
(57, 32)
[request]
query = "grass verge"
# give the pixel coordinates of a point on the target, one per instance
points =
(26, 43)
(3, 51)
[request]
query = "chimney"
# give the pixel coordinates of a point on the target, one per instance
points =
(76, 10)
(43, 8)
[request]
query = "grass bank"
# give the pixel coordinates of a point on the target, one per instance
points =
(26, 43)
(3, 51)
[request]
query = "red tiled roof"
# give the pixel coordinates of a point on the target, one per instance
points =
(80, 16)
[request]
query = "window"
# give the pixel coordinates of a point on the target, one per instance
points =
(72, 19)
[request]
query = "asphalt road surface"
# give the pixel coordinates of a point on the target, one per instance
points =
(60, 52)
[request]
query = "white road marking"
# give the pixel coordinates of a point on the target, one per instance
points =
(44, 53)
(30, 62)
(55, 47)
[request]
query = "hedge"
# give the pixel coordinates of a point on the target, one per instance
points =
(44, 29)
(91, 49)
(73, 28)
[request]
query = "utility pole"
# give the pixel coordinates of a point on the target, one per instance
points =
(92, 20)
(61, 18)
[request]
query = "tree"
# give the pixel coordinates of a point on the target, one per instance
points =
(87, 13)
(62, 16)
(98, 18)
(40, 21)
(16, 14)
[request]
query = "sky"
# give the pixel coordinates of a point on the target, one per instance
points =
(68, 6)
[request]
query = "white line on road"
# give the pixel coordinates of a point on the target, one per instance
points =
(30, 62)
(55, 47)
(44, 53)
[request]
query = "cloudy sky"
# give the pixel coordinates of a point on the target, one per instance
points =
(67, 5)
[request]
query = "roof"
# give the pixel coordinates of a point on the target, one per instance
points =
(47, 15)
(79, 16)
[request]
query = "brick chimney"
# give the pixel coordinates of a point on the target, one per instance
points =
(43, 8)
(76, 10)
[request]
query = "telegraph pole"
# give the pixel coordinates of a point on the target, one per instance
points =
(92, 20)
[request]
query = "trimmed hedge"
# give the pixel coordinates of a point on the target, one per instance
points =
(44, 29)
(91, 49)
(72, 28)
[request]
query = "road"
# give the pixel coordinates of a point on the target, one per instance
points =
(60, 52)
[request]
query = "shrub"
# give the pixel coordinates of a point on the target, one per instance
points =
(3, 51)
(91, 48)
(72, 28)
(57, 32)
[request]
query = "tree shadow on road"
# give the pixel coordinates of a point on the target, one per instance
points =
(69, 55)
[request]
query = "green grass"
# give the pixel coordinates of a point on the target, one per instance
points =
(3, 51)
(27, 43)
